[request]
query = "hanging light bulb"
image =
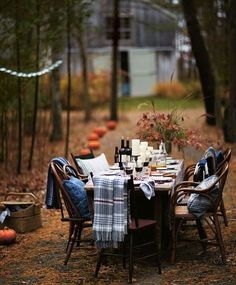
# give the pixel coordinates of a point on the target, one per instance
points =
(32, 74)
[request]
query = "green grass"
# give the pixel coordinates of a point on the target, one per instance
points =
(144, 103)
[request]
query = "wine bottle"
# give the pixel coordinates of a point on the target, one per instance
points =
(122, 153)
(128, 151)
(116, 155)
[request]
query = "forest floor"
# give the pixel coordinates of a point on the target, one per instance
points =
(37, 257)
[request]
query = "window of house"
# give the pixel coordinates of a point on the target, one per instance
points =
(124, 28)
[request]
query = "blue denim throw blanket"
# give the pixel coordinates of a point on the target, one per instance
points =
(51, 200)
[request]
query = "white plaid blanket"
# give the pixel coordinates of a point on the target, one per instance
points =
(110, 210)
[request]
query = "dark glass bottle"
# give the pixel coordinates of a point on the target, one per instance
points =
(128, 151)
(116, 155)
(122, 153)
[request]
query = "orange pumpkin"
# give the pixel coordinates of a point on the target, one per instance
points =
(84, 151)
(7, 236)
(100, 131)
(94, 144)
(93, 137)
(111, 125)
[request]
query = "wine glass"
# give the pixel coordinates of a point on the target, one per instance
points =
(138, 169)
(128, 168)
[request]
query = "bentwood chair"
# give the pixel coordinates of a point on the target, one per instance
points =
(129, 247)
(189, 172)
(69, 211)
(82, 156)
(180, 213)
(222, 211)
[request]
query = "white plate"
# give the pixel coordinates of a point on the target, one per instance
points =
(156, 174)
(171, 161)
(169, 171)
(172, 167)
(161, 168)
(114, 168)
(169, 157)
(109, 173)
(162, 179)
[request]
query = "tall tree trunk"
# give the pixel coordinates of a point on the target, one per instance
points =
(2, 135)
(56, 108)
(230, 113)
(19, 155)
(36, 93)
(113, 106)
(87, 115)
(68, 31)
(202, 59)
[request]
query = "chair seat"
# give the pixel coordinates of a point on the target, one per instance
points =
(142, 223)
(182, 211)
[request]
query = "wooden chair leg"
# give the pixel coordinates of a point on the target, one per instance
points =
(99, 262)
(71, 243)
(173, 237)
(130, 258)
(223, 212)
(158, 261)
(201, 232)
(124, 253)
(220, 238)
(79, 235)
(71, 230)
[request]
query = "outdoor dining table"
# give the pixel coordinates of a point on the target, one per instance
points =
(165, 179)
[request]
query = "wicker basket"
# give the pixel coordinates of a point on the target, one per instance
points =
(27, 218)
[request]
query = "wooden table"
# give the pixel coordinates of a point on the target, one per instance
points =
(160, 203)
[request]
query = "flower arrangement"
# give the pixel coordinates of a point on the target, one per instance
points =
(154, 126)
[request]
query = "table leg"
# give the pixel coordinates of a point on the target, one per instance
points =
(161, 211)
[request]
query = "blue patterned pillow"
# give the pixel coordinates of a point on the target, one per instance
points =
(198, 204)
(78, 195)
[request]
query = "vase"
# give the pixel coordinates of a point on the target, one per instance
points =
(168, 146)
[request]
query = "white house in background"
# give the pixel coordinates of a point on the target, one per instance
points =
(147, 46)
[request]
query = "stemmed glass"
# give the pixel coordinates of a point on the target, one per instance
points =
(128, 167)
(138, 169)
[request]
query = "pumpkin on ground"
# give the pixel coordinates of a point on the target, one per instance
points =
(111, 124)
(84, 151)
(100, 131)
(93, 136)
(7, 236)
(94, 144)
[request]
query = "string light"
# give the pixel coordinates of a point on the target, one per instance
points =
(32, 74)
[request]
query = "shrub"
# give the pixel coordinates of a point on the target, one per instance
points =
(172, 89)
(193, 88)
(99, 88)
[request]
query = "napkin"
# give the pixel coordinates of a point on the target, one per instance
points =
(4, 214)
(148, 188)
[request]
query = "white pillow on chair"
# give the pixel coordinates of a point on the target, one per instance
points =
(94, 165)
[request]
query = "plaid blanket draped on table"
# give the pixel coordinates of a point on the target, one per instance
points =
(110, 211)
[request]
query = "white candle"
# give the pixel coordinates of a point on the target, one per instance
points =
(144, 144)
(148, 154)
(150, 148)
(142, 156)
(142, 148)
(139, 163)
(135, 147)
